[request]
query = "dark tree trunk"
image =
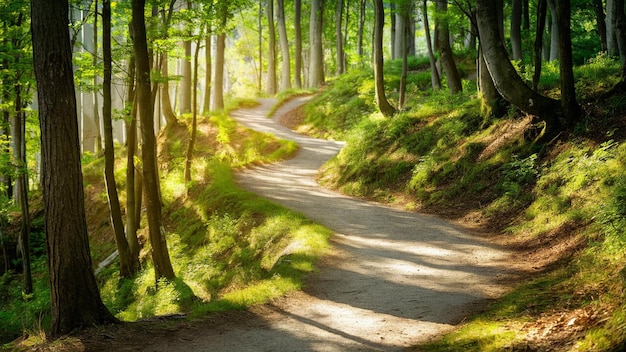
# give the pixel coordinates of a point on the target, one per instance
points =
(160, 256)
(504, 75)
(361, 29)
(381, 99)
(542, 11)
(434, 72)
(445, 51)
(339, 37)
(194, 118)
(316, 58)
(620, 34)
(571, 109)
(516, 30)
(21, 185)
(75, 299)
(206, 106)
(600, 22)
(126, 267)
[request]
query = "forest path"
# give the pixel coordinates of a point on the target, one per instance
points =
(392, 280)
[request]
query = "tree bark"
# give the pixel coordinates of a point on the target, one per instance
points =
(504, 75)
(542, 9)
(611, 39)
(271, 53)
(571, 109)
(160, 255)
(285, 81)
(361, 29)
(316, 58)
(445, 51)
(516, 30)
(339, 38)
(208, 76)
(379, 80)
(405, 63)
(166, 102)
(21, 186)
(194, 118)
(297, 70)
(75, 299)
(600, 22)
(554, 30)
(96, 107)
(218, 90)
(620, 34)
(126, 267)
(260, 28)
(434, 73)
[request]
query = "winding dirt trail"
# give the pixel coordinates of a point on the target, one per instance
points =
(394, 279)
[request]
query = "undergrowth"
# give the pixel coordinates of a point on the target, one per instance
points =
(442, 155)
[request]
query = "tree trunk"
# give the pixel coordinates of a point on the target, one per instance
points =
(542, 9)
(379, 80)
(285, 81)
(516, 30)
(271, 53)
(21, 186)
(126, 268)
(160, 256)
(194, 118)
(445, 51)
(392, 19)
(620, 34)
(405, 63)
(260, 28)
(600, 22)
(166, 102)
(132, 221)
(316, 58)
(492, 102)
(96, 107)
(434, 73)
(554, 30)
(297, 70)
(359, 49)
(339, 37)
(75, 299)
(611, 39)
(504, 75)
(571, 109)
(207, 77)
(218, 90)
(400, 32)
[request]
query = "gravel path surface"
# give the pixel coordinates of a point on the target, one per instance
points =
(393, 279)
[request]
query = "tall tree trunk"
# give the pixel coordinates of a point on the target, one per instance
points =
(185, 82)
(160, 255)
(571, 109)
(400, 32)
(600, 22)
(379, 80)
(194, 118)
(434, 73)
(339, 38)
(392, 19)
(75, 299)
(359, 49)
(516, 30)
(271, 53)
(542, 10)
(260, 28)
(620, 34)
(21, 185)
(504, 75)
(554, 30)
(208, 76)
(611, 39)
(285, 81)
(132, 220)
(316, 58)
(218, 90)
(445, 51)
(126, 268)
(96, 107)
(405, 65)
(297, 70)
(166, 102)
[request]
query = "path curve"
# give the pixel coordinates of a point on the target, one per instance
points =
(393, 279)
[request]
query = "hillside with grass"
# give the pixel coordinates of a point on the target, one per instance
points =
(559, 203)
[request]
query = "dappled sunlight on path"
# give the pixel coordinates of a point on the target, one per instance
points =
(393, 278)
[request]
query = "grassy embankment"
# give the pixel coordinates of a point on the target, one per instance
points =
(560, 205)
(230, 249)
